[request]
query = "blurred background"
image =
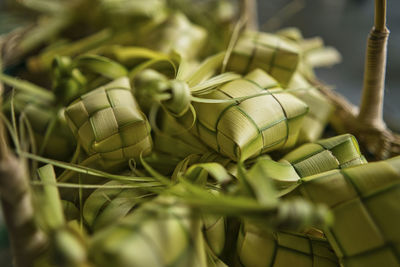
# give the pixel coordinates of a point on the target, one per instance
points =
(344, 24)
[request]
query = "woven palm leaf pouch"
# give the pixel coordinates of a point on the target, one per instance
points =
(327, 154)
(259, 248)
(276, 55)
(109, 124)
(162, 232)
(309, 159)
(261, 121)
(364, 201)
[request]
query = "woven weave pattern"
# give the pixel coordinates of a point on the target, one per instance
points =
(364, 200)
(108, 122)
(159, 233)
(104, 207)
(257, 248)
(253, 126)
(332, 153)
(271, 53)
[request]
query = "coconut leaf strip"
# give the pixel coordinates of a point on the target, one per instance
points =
(161, 178)
(203, 99)
(43, 61)
(151, 63)
(207, 69)
(101, 65)
(52, 216)
(85, 170)
(126, 54)
(95, 186)
(217, 171)
(27, 87)
(212, 83)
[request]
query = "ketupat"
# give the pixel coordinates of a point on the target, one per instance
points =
(259, 248)
(276, 55)
(104, 206)
(162, 232)
(309, 159)
(109, 124)
(249, 127)
(332, 153)
(364, 202)
(297, 248)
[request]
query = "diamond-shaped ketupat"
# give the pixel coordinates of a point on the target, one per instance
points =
(337, 152)
(108, 122)
(364, 201)
(247, 128)
(276, 55)
(258, 247)
(161, 232)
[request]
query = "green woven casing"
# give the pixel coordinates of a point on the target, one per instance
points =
(365, 203)
(274, 54)
(253, 126)
(309, 159)
(104, 206)
(160, 233)
(327, 154)
(260, 248)
(108, 122)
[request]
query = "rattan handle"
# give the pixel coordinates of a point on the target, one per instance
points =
(371, 108)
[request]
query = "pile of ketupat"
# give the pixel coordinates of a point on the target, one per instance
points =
(157, 135)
